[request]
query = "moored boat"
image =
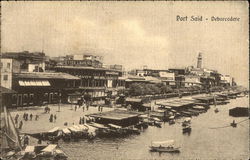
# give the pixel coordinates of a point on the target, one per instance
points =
(186, 129)
(186, 122)
(216, 110)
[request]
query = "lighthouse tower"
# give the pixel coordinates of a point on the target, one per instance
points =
(199, 60)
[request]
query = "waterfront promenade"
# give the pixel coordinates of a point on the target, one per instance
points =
(67, 114)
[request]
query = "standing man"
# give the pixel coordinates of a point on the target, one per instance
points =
(36, 118)
(51, 118)
(55, 118)
(31, 116)
(20, 124)
(16, 118)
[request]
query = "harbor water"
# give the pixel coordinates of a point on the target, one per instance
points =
(204, 142)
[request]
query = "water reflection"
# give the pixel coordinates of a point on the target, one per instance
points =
(201, 143)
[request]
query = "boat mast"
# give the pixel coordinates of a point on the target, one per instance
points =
(11, 129)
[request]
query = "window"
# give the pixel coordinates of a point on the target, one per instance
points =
(31, 98)
(5, 77)
(14, 100)
(8, 65)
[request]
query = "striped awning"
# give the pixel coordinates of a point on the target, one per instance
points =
(34, 83)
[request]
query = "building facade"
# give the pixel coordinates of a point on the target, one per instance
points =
(25, 58)
(100, 83)
(191, 80)
(40, 88)
(8, 67)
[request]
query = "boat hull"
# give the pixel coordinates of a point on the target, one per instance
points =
(164, 149)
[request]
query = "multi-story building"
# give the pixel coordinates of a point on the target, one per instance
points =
(8, 67)
(179, 76)
(37, 88)
(150, 72)
(28, 61)
(83, 60)
(192, 80)
(98, 82)
(226, 80)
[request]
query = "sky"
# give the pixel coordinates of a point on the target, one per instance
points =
(132, 33)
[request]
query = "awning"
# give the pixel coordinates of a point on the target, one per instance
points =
(50, 148)
(133, 100)
(34, 83)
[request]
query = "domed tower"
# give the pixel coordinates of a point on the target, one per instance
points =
(199, 60)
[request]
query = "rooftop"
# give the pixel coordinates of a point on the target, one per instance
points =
(45, 75)
(115, 115)
(84, 67)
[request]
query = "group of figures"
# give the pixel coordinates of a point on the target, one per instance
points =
(26, 117)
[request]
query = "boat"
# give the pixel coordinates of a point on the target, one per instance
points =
(157, 124)
(186, 122)
(233, 124)
(164, 146)
(186, 113)
(186, 129)
(132, 130)
(216, 110)
(195, 111)
(52, 152)
(171, 120)
(199, 107)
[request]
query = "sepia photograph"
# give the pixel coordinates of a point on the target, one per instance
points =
(124, 80)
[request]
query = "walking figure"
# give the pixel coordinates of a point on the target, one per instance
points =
(20, 124)
(26, 116)
(36, 118)
(51, 118)
(31, 116)
(75, 107)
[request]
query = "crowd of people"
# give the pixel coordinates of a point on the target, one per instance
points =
(26, 117)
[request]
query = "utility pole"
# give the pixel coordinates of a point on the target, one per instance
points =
(60, 99)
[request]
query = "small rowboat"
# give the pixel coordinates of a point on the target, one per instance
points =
(164, 146)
